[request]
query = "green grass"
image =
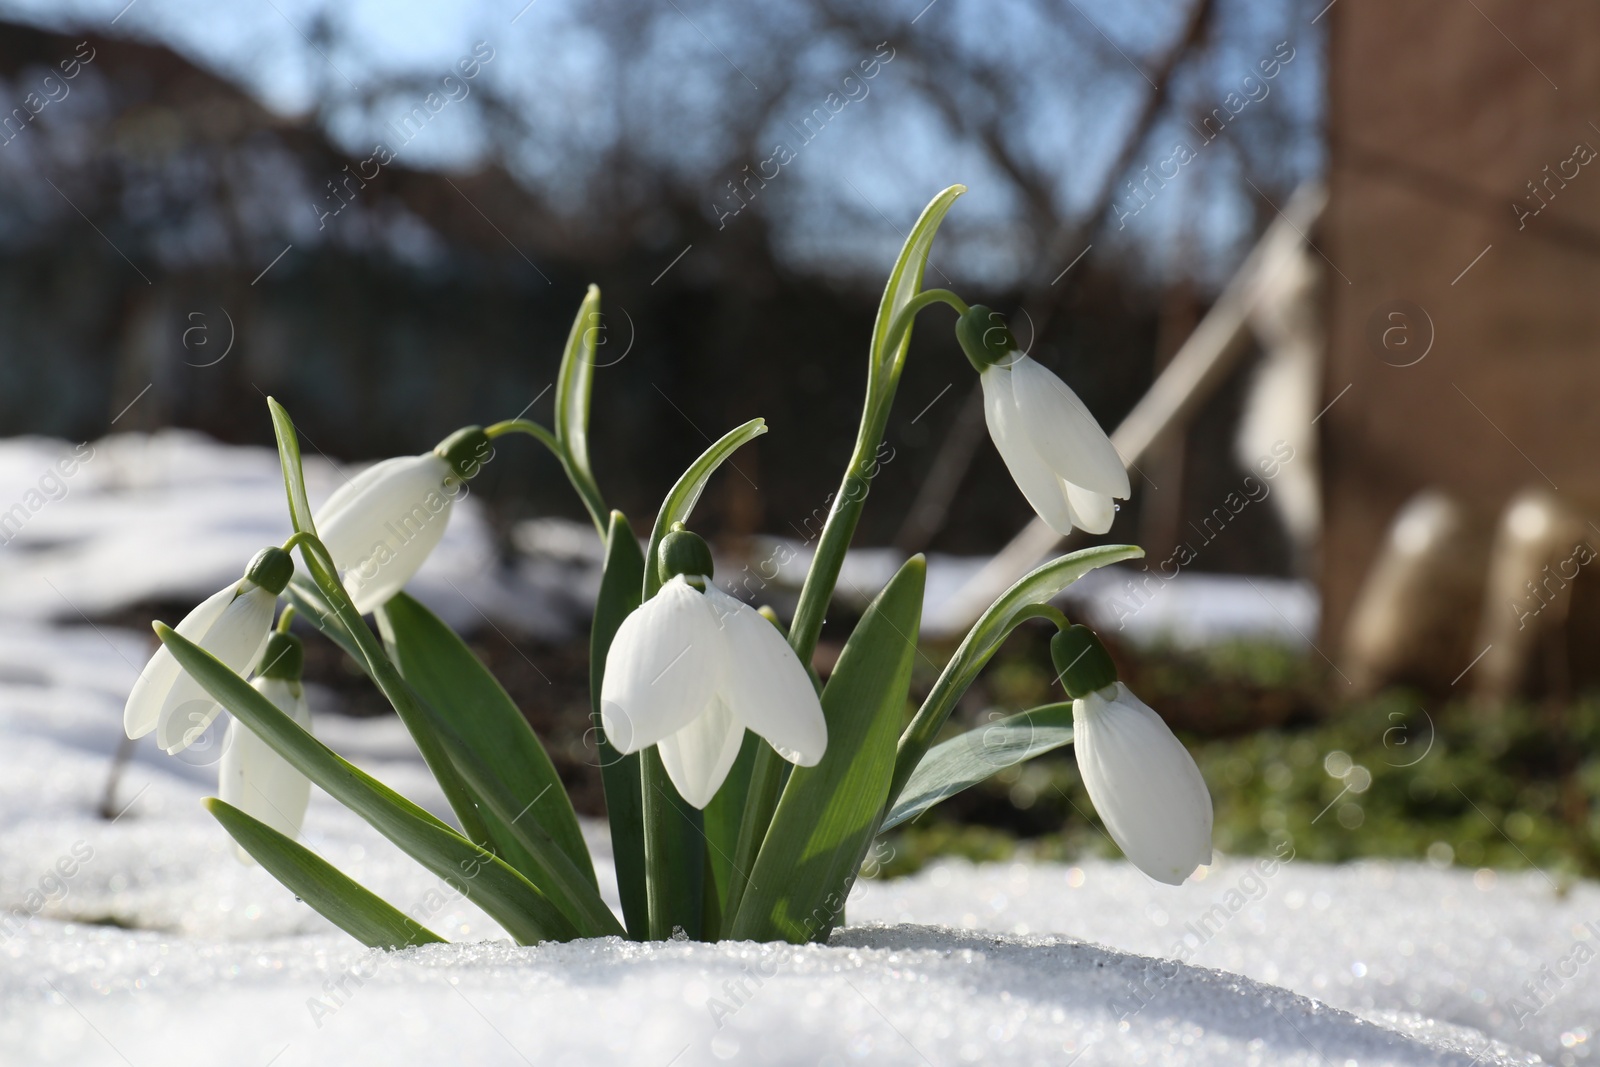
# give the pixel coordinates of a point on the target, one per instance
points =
(1396, 775)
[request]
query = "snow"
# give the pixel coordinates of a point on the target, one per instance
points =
(140, 939)
(88, 529)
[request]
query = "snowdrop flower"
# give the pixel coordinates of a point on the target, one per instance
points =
(232, 625)
(381, 525)
(689, 670)
(1143, 782)
(1057, 454)
(252, 776)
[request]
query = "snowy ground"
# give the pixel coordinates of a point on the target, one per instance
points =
(140, 940)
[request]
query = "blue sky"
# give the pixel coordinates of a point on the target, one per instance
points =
(880, 158)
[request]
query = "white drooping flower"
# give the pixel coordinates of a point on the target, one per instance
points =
(254, 778)
(380, 526)
(1143, 782)
(1055, 450)
(689, 671)
(232, 625)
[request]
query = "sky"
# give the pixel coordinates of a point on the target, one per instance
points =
(881, 158)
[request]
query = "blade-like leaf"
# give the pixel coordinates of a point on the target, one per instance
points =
(619, 595)
(460, 689)
(574, 382)
(553, 871)
(346, 903)
(674, 853)
(961, 762)
(827, 814)
(724, 815)
(336, 610)
(1022, 601)
(289, 457)
(905, 281)
(883, 374)
(686, 493)
(496, 887)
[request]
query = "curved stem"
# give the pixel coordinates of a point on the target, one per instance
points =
(319, 562)
(840, 526)
(297, 539)
(957, 676)
(767, 774)
(587, 491)
(285, 618)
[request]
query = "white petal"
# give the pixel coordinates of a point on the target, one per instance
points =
(354, 488)
(1144, 784)
(663, 670)
(150, 691)
(1045, 492)
(237, 638)
(697, 758)
(767, 688)
(1091, 511)
(258, 781)
(1064, 432)
(381, 528)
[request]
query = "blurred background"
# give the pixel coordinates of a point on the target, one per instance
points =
(1325, 267)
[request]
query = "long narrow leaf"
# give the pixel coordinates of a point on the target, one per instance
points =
(552, 870)
(619, 595)
(1034, 589)
(828, 813)
(289, 457)
(680, 501)
(674, 853)
(508, 897)
(457, 686)
(346, 903)
(964, 761)
(724, 815)
(573, 384)
(336, 608)
(905, 282)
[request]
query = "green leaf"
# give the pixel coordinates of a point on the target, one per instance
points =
(828, 813)
(553, 871)
(620, 582)
(1024, 600)
(346, 903)
(883, 375)
(674, 853)
(289, 457)
(905, 282)
(686, 493)
(964, 761)
(724, 815)
(573, 385)
(445, 673)
(496, 887)
(336, 609)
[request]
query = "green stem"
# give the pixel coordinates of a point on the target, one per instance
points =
(761, 800)
(840, 526)
(286, 618)
(674, 851)
(394, 688)
(767, 776)
(587, 490)
(953, 682)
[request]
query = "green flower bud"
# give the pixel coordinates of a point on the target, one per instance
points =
(284, 657)
(271, 569)
(466, 450)
(683, 552)
(984, 337)
(1082, 662)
